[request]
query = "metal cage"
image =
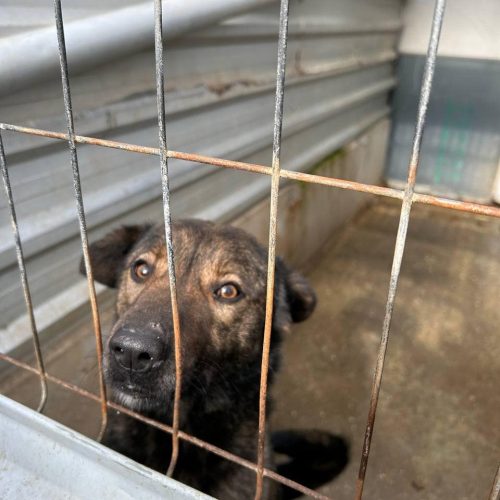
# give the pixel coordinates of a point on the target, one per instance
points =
(407, 197)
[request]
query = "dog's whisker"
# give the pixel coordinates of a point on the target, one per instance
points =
(198, 384)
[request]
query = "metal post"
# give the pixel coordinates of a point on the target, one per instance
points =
(401, 237)
(80, 208)
(271, 262)
(24, 278)
(160, 95)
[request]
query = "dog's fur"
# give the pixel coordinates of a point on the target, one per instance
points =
(221, 349)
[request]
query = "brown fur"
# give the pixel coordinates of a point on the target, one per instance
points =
(221, 345)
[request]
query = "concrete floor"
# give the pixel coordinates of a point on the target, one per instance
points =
(437, 434)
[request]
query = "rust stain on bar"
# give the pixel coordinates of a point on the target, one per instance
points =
(166, 428)
(80, 139)
(426, 199)
(80, 208)
(462, 206)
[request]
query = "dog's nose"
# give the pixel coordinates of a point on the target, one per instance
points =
(137, 352)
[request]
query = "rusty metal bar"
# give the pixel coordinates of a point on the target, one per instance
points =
(160, 96)
(425, 199)
(461, 206)
(495, 488)
(24, 278)
(401, 236)
(271, 256)
(166, 428)
(50, 134)
(80, 207)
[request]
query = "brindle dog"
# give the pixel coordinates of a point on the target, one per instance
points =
(221, 281)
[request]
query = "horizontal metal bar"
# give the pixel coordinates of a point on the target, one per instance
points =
(143, 107)
(426, 199)
(166, 428)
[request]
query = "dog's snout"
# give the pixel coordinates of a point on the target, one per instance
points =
(137, 352)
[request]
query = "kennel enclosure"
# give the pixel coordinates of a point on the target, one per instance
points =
(408, 196)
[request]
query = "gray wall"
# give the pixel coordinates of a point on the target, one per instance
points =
(461, 142)
(220, 100)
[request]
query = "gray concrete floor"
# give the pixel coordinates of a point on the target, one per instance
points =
(437, 434)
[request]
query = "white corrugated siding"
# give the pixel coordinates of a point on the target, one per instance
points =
(220, 101)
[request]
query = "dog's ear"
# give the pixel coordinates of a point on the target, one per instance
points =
(299, 293)
(301, 296)
(107, 255)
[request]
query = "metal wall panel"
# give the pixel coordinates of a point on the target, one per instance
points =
(78, 468)
(220, 98)
(461, 144)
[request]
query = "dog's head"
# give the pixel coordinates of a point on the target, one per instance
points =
(221, 292)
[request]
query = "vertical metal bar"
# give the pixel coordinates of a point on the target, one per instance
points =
(401, 236)
(271, 263)
(24, 278)
(80, 208)
(160, 96)
(495, 489)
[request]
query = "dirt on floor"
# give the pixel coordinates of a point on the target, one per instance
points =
(437, 432)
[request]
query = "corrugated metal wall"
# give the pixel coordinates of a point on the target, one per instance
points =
(220, 99)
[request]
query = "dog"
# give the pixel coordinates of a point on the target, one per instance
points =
(221, 276)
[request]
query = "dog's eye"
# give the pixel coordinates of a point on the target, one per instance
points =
(229, 292)
(141, 270)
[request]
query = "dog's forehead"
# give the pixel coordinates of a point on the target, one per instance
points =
(202, 242)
